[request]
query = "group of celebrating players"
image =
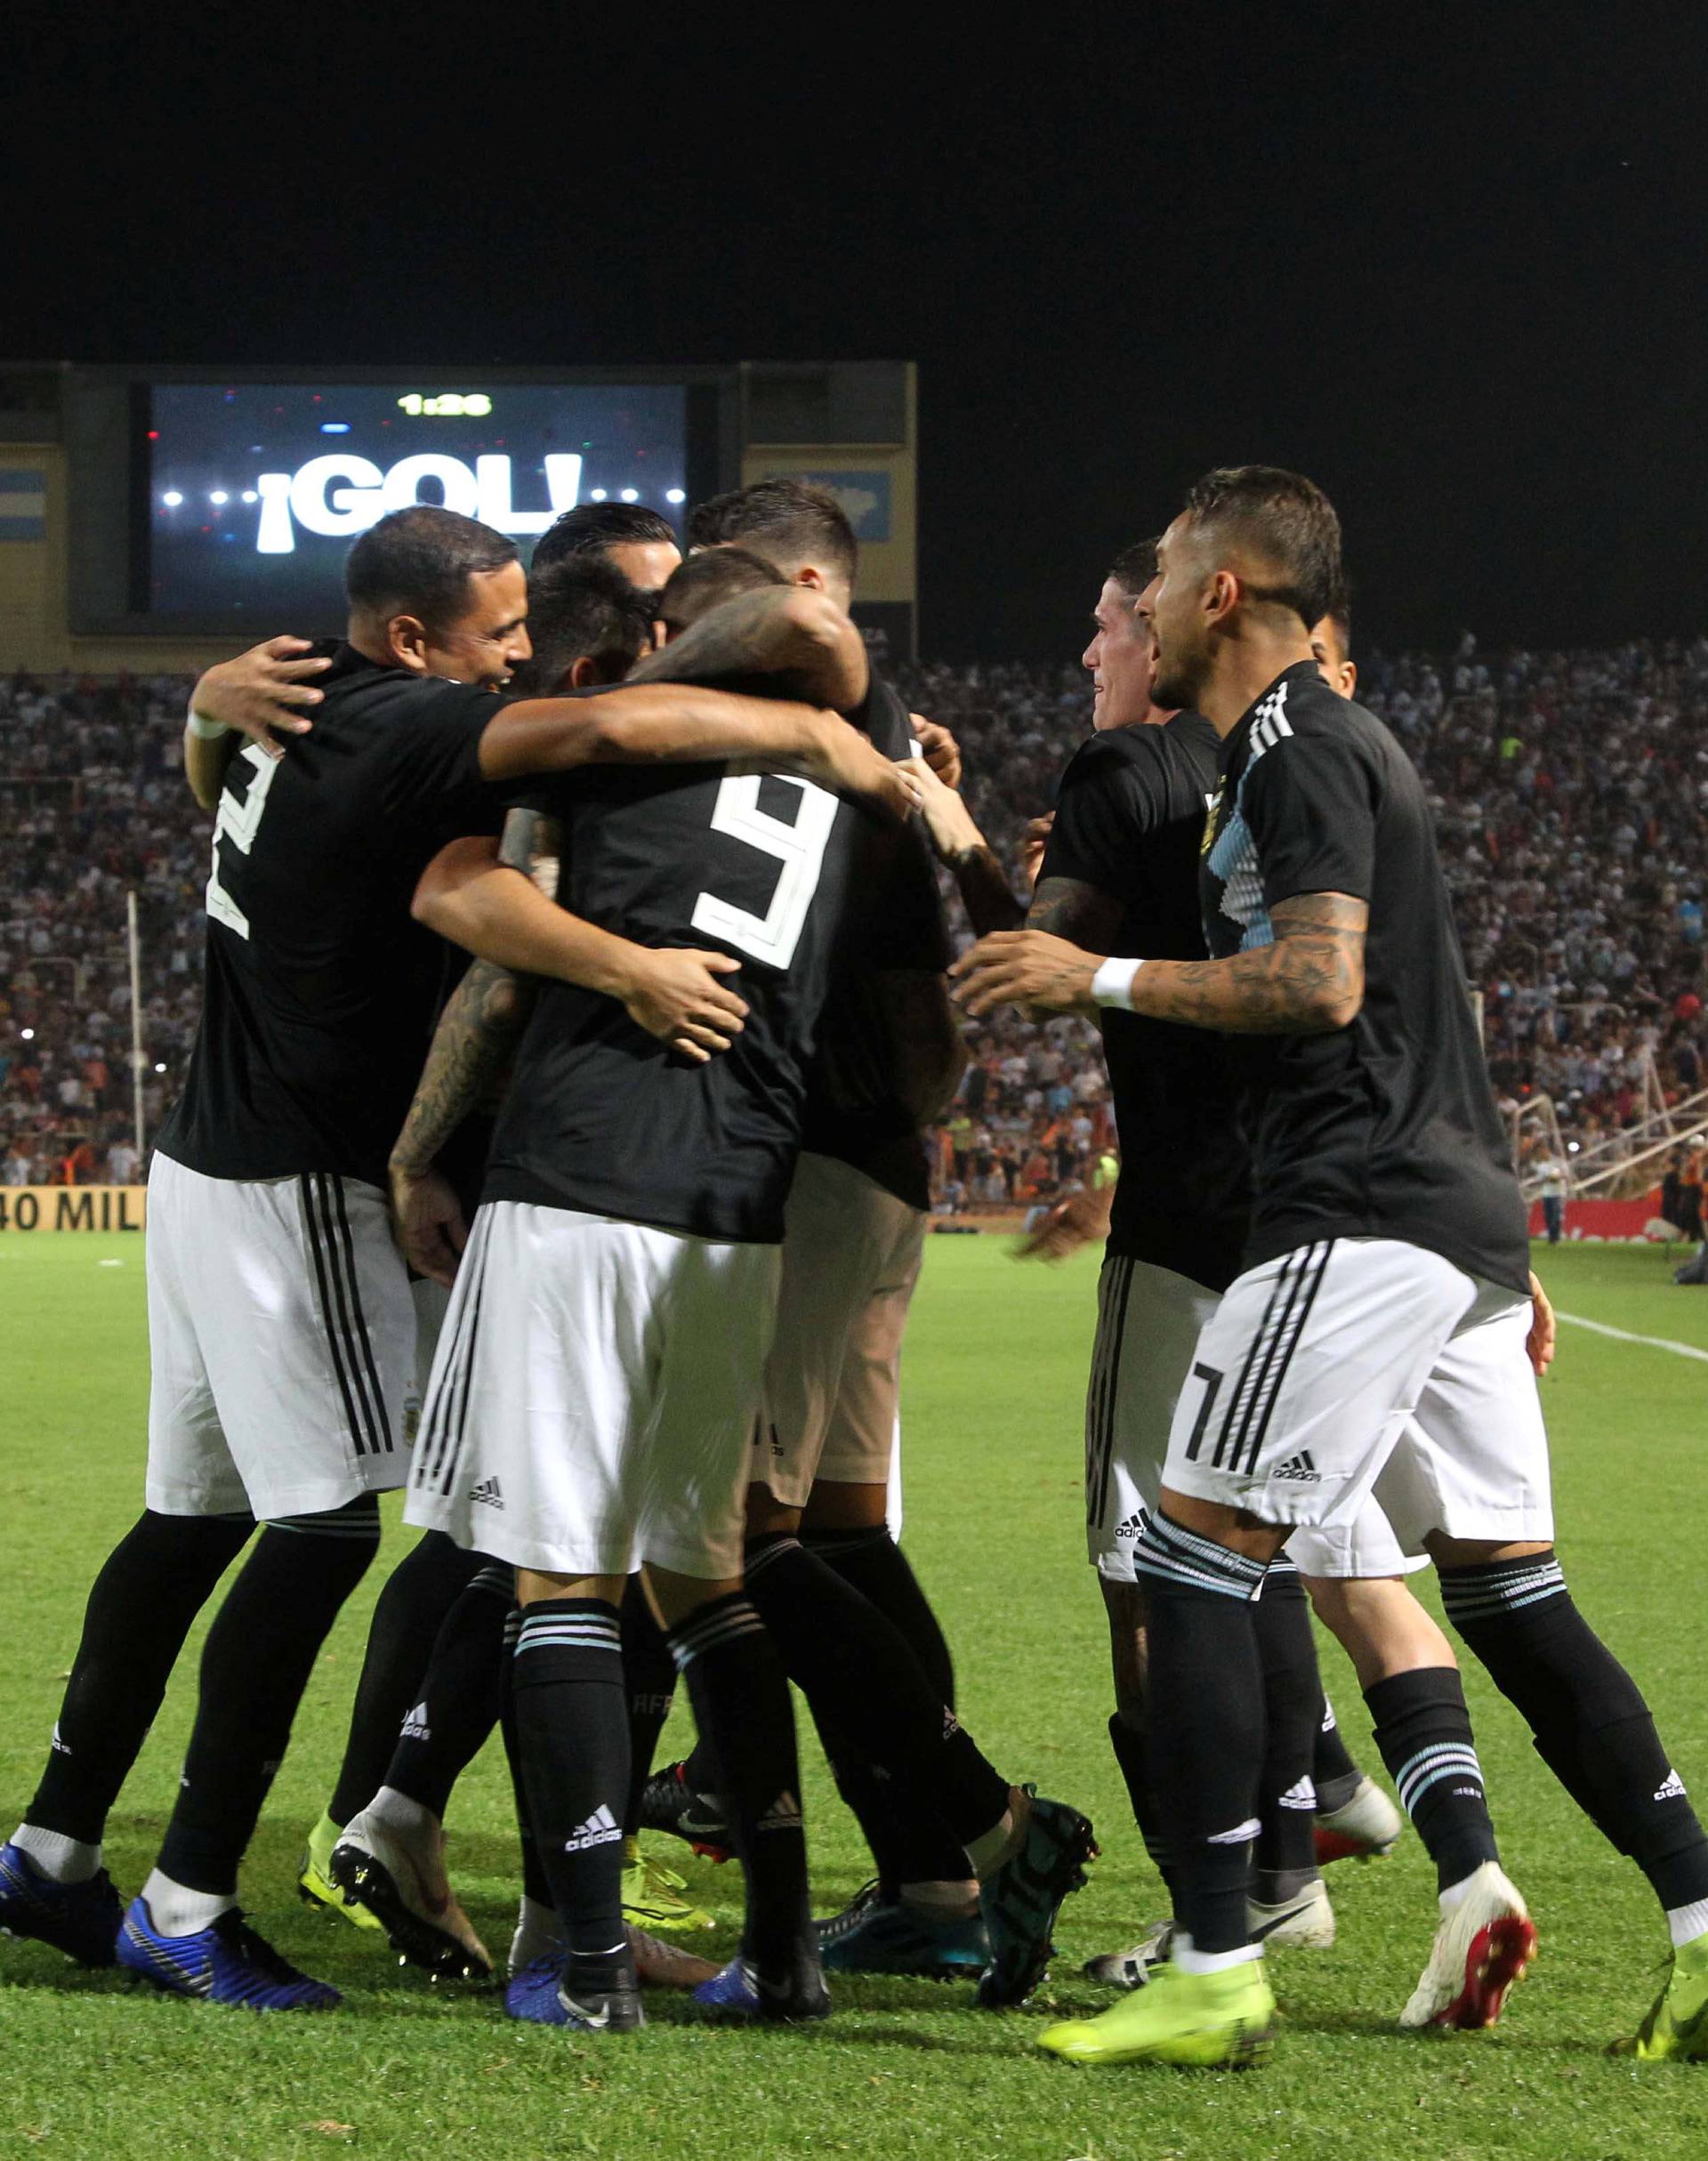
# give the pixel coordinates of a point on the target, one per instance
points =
(553, 1146)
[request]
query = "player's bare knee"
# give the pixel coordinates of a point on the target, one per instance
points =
(675, 1597)
(1237, 1528)
(836, 1504)
(768, 1516)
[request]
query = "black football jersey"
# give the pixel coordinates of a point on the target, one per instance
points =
(604, 1117)
(320, 992)
(1388, 1127)
(894, 921)
(1129, 821)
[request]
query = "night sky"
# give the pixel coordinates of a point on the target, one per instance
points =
(1458, 272)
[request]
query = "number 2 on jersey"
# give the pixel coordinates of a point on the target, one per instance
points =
(799, 848)
(239, 821)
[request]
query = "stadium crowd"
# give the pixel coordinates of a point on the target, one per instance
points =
(1571, 792)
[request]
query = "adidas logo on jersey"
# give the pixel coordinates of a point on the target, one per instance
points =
(783, 1815)
(1670, 1788)
(415, 1726)
(1299, 1467)
(599, 1830)
(489, 1491)
(1301, 1795)
(1132, 1527)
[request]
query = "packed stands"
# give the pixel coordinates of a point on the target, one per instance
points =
(1571, 790)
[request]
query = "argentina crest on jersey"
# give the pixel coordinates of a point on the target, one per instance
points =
(1232, 855)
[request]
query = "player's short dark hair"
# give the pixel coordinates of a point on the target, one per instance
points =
(1339, 612)
(591, 527)
(1285, 518)
(1134, 568)
(581, 607)
(707, 580)
(788, 522)
(418, 561)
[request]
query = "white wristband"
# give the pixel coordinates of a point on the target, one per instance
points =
(1112, 985)
(206, 731)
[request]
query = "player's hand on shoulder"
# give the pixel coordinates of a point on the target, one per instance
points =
(938, 748)
(948, 821)
(1540, 1342)
(1078, 1220)
(1042, 974)
(262, 689)
(428, 1220)
(676, 994)
(846, 762)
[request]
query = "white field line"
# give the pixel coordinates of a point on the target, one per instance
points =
(1624, 1335)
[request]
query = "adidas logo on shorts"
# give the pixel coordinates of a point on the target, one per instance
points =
(1299, 1467)
(489, 1491)
(415, 1726)
(599, 1830)
(1132, 1528)
(783, 1815)
(1670, 1788)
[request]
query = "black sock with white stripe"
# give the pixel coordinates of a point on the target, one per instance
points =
(407, 1615)
(649, 1677)
(1333, 1773)
(1590, 1723)
(1286, 1860)
(741, 1702)
(536, 1887)
(456, 1706)
(1423, 1731)
(1205, 1702)
(572, 1730)
(255, 1664)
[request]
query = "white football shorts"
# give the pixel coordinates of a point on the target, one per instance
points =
(1149, 1324)
(851, 1256)
(1361, 1368)
(592, 1402)
(281, 1342)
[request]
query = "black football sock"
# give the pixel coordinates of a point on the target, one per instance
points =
(741, 1700)
(535, 1883)
(456, 1702)
(909, 1845)
(255, 1664)
(700, 1766)
(1205, 1702)
(141, 1607)
(1423, 1731)
(649, 1677)
(851, 1661)
(572, 1726)
(1285, 1859)
(1129, 1737)
(1591, 1724)
(1333, 1773)
(876, 1567)
(408, 1615)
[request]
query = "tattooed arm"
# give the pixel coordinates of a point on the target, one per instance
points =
(1310, 982)
(478, 1032)
(1067, 907)
(787, 631)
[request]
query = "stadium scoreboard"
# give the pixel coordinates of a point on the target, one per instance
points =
(158, 515)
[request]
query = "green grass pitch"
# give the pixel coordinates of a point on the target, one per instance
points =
(994, 1376)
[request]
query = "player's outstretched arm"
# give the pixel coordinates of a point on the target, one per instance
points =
(965, 852)
(259, 691)
(786, 631)
(682, 724)
(1078, 1220)
(497, 913)
(1309, 983)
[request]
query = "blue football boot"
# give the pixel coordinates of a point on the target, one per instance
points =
(80, 1919)
(226, 1963)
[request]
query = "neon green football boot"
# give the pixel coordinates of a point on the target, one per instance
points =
(650, 1899)
(1222, 2021)
(1676, 2025)
(314, 1887)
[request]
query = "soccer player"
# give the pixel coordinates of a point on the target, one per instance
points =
(638, 542)
(282, 1334)
(1375, 1342)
